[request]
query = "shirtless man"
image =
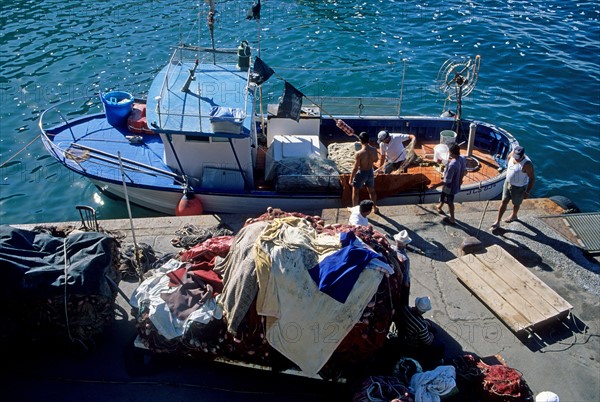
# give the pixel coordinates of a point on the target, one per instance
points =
(362, 172)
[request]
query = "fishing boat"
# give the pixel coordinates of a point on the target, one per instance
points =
(203, 134)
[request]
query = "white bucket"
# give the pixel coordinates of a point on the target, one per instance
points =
(441, 153)
(447, 137)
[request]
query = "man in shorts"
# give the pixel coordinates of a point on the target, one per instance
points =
(520, 178)
(452, 180)
(362, 172)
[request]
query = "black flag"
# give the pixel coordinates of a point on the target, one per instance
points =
(261, 72)
(290, 102)
(254, 12)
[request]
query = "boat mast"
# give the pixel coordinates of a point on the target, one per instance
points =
(256, 15)
(402, 87)
(211, 27)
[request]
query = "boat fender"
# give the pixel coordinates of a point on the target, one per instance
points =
(243, 53)
(566, 204)
(189, 204)
(341, 124)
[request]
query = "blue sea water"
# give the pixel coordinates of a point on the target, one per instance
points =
(539, 76)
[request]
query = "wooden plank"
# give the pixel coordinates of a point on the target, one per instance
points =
(489, 296)
(523, 298)
(497, 282)
(518, 297)
(534, 284)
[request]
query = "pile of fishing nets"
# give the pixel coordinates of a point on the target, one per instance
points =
(494, 382)
(58, 285)
(311, 174)
(287, 291)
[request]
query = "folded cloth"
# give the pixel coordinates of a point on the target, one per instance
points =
(220, 114)
(337, 273)
(430, 385)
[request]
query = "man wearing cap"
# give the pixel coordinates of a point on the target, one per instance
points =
(419, 341)
(402, 240)
(547, 396)
(391, 148)
(520, 178)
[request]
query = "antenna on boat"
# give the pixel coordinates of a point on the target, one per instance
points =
(402, 87)
(254, 14)
(211, 26)
(456, 79)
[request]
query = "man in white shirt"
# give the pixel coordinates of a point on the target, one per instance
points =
(359, 213)
(520, 177)
(391, 148)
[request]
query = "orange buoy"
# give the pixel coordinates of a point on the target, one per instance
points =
(189, 204)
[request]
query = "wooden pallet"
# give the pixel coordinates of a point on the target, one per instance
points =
(518, 297)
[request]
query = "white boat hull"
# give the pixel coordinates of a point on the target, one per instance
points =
(257, 203)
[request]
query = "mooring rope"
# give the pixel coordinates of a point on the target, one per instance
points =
(66, 271)
(21, 150)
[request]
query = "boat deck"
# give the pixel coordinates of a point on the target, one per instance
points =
(488, 168)
(93, 148)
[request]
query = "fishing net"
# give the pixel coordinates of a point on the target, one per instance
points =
(342, 155)
(53, 304)
(490, 382)
(190, 235)
(312, 174)
(131, 255)
(249, 344)
(383, 388)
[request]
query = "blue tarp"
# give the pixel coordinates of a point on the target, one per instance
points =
(339, 271)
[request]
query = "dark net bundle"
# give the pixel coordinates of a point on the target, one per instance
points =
(309, 174)
(57, 303)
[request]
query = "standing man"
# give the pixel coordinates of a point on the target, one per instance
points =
(392, 150)
(452, 180)
(362, 172)
(402, 240)
(520, 178)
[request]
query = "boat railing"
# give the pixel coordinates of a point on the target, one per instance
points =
(57, 117)
(186, 55)
(58, 114)
(359, 106)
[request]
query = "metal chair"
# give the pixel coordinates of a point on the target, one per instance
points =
(88, 217)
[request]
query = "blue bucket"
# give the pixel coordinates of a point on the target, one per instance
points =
(117, 106)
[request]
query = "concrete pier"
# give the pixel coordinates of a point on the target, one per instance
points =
(561, 356)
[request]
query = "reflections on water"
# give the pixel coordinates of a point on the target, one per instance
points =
(540, 78)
